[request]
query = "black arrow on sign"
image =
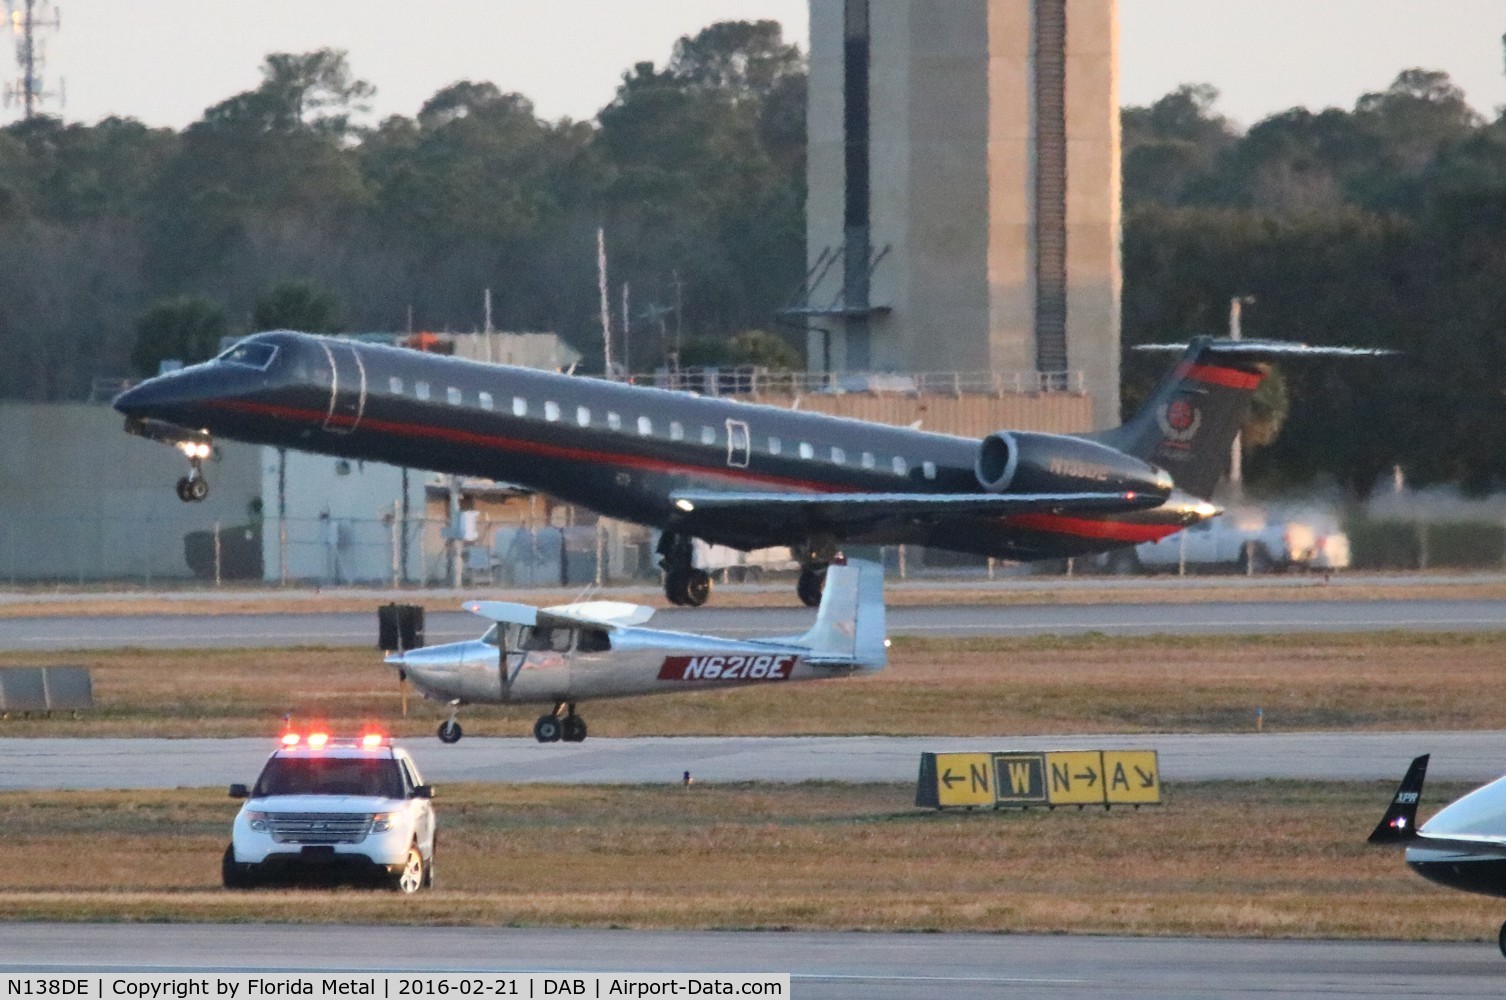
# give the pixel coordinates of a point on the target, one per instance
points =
(1147, 778)
(949, 779)
(1091, 777)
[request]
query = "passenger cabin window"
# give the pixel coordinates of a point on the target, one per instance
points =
(901, 467)
(551, 411)
(838, 456)
(676, 431)
(455, 396)
(806, 451)
(645, 426)
(250, 355)
(395, 386)
(774, 446)
(542, 639)
(708, 435)
(928, 469)
(485, 399)
(593, 641)
(583, 416)
(421, 390)
(519, 406)
(869, 461)
(614, 421)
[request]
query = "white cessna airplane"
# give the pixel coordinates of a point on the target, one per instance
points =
(563, 655)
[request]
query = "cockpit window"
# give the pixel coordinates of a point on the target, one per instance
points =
(252, 355)
(540, 639)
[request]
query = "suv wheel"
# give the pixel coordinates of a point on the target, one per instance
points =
(233, 875)
(411, 878)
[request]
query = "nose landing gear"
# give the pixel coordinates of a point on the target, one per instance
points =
(194, 487)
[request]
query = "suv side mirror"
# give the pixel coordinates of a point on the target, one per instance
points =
(239, 792)
(423, 791)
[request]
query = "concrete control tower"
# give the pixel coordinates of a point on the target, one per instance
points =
(964, 206)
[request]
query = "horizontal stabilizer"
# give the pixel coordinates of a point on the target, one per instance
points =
(1399, 825)
(1255, 350)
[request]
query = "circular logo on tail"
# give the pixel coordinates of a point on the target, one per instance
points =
(1179, 421)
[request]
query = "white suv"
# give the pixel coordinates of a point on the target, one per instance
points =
(334, 810)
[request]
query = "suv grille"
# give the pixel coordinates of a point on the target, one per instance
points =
(319, 828)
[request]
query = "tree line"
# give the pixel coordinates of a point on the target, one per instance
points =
(121, 243)
(1384, 225)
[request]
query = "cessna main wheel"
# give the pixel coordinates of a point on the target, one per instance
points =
(812, 582)
(547, 729)
(573, 729)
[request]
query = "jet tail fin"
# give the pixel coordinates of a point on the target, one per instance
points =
(1188, 424)
(849, 629)
(1399, 825)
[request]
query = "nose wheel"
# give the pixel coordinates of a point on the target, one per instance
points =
(193, 487)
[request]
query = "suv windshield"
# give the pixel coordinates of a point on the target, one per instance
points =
(330, 776)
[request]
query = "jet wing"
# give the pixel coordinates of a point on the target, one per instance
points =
(856, 511)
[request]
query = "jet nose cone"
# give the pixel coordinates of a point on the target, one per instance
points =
(140, 400)
(396, 659)
(177, 397)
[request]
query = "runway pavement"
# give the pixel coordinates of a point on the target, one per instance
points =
(821, 965)
(1197, 618)
(164, 763)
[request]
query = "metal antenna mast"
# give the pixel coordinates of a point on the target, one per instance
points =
(26, 18)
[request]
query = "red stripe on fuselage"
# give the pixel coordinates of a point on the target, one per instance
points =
(1230, 378)
(1087, 527)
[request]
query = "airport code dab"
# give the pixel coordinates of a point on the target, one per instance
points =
(246, 986)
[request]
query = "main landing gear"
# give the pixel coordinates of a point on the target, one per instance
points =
(449, 729)
(194, 487)
(819, 552)
(554, 727)
(684, 585)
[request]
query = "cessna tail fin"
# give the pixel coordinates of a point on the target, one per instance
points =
(1399, 825)
(1188, 425)
(849, 629)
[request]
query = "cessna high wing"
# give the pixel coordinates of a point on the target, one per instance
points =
(737, 474)
(1463, 846)
(564, 655)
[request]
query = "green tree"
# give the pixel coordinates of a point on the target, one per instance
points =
(185, 328)
(298, 305)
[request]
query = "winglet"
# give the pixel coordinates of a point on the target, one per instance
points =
(849, 629)
(1399, 825)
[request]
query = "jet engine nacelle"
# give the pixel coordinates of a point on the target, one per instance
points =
(1026, 462)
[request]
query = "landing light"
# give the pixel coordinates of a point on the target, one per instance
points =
(685, 505)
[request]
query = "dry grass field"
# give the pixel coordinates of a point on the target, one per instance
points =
(932, 687)
(1267, 859)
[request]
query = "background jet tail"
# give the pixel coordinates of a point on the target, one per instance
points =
(1188, 425)
(1399, 825)
(849, 629)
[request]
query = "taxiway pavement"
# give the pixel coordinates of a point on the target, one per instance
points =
(821, 965)
(1195, 618)
(38, 764)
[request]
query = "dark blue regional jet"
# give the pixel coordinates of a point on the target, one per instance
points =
(731, 473)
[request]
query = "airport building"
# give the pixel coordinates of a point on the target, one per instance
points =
(964, 192)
